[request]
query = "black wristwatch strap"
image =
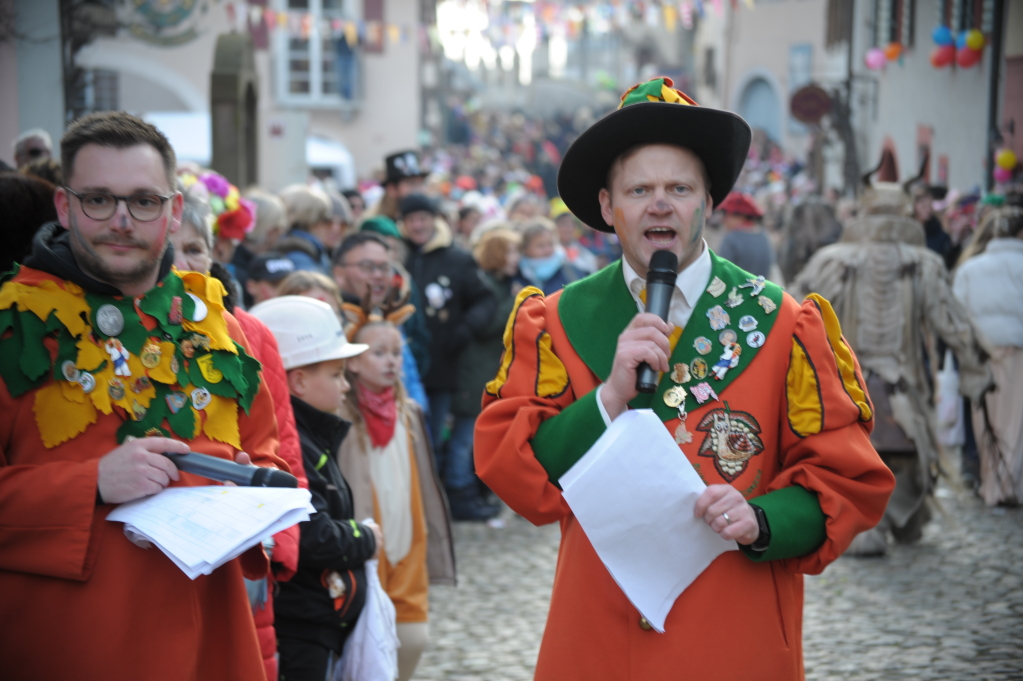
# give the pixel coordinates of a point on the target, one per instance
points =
(764, 540)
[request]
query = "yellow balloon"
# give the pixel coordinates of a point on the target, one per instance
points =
(975, 40)
(1006, 158)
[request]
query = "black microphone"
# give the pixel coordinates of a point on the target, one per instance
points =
(660, 284)
(223, 470)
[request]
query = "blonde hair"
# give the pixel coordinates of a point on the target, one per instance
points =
(300, 282)
(270, 213)
(534, 228)
(352, 396)
(305, 206)
(492, 251)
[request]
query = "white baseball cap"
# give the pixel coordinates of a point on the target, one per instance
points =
(307, 330)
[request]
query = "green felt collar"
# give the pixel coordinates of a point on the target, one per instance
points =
(594, 311)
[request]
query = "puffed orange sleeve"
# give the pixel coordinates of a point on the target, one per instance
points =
(531, 389)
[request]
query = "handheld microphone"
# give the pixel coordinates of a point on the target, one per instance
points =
(660, 284)
(223, 470)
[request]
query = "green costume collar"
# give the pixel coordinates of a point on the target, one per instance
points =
(594, 311)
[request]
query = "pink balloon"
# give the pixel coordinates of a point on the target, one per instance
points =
(875, 59)
(1002, 176)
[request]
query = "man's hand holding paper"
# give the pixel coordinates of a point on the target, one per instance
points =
(635, 494)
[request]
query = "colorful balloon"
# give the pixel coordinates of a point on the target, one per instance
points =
(967, 57)
(893, 51)
(942, 36)
(975, 40)
(1002, 176)
(1006, 158)
(943, 56)
(961, 41)
(875, 59)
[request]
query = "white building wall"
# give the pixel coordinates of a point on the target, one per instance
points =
(757, 43)
(952, 101)
(40, 84)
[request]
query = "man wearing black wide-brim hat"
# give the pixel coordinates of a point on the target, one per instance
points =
(403, 175)
(760, 393)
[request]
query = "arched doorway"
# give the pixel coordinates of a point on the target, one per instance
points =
(760, 106)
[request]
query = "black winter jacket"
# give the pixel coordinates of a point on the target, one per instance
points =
(457, 303)
(330, 541)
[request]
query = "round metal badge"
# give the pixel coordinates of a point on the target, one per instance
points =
(748, 323)
(674, 396)
(703, 345)
(201, 398)
(116, 389)
(70, 371)
(755, 339)
(727, 337)
(109, 320)
(698, 369)
(87, 381)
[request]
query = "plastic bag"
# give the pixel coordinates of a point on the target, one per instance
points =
(371, 651)
(949, 407)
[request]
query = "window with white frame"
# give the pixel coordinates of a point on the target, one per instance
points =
(314, 63)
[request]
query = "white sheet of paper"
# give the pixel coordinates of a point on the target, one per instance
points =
(633, 493)
(201, 528)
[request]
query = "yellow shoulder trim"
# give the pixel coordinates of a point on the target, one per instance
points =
(843, 357)
(806, 408)
(551, 375)
(494, 386)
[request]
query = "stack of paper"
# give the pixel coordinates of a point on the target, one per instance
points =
(633, 493)
(201, 528)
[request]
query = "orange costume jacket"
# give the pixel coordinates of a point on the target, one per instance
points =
(787, 424)
(78, 600)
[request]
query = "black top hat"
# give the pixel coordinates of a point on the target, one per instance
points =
(652, 113)
(402, 165)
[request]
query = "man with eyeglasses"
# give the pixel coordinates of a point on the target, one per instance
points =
(364, 272)
(108, 360)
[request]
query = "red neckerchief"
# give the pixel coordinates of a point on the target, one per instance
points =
(380, 413)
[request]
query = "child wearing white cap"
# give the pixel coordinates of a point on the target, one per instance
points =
(318, 607)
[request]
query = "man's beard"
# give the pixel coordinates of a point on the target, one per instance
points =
(92, 263)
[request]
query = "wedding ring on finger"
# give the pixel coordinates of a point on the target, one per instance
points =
(727, 519)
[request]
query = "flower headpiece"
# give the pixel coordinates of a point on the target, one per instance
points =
(233, 215)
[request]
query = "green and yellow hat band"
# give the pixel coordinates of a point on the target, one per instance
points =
(656, 90)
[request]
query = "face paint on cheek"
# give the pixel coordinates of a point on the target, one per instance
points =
(697, 224)
(619, 217)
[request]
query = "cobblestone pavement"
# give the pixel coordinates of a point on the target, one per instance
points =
(950, 607)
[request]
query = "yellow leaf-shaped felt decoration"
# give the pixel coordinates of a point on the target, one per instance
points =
(44, 298)
(100, 396)
(162, 372)
(72, 391)
(90, 355)
(222, 421)
(58, 419)
(211, 292)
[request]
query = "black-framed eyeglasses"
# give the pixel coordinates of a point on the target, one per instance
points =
(369, 267)
(103, 205)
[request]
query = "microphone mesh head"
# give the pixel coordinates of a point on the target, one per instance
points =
(664, 261)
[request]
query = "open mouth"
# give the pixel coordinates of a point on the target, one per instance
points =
(661, 236)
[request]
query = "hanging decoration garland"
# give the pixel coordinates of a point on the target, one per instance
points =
(165, 360)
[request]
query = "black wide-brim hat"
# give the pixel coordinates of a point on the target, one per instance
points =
(652, 113)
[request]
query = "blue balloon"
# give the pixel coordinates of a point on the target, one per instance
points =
(942, 36)
(961, 41)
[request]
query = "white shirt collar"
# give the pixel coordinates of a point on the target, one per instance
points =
(690, 282)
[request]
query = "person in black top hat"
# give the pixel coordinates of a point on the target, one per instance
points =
(405, 176)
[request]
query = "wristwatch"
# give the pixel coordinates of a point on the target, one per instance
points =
(764, 540)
